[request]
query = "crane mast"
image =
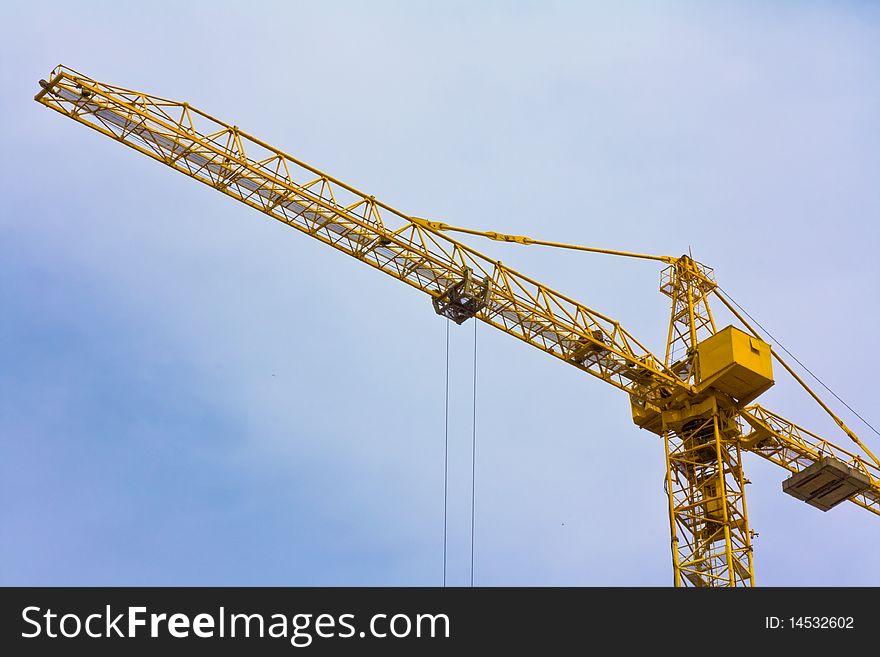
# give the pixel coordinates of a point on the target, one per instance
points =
(696, 399)
(711, 540)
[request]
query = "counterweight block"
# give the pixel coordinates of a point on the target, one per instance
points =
(826, 483)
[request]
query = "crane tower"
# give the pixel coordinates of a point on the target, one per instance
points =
(699, 399)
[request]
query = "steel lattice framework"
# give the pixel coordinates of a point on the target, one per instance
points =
(704, 429)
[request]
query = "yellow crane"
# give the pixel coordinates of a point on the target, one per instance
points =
(698, 399)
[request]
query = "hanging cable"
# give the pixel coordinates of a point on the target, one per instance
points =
(474, 455)
(797, 360)
(446, 458)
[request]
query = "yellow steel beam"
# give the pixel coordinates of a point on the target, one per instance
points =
(522, 239)
(771, 436)
(289, 190)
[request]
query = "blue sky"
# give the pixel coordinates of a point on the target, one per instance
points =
(193, 394)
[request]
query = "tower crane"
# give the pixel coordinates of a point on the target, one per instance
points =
(698, 399)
